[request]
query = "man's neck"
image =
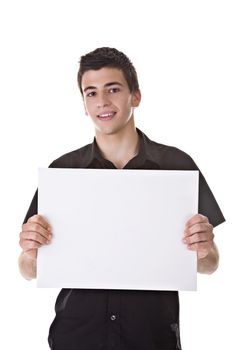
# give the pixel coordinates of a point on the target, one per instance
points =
(120, 147)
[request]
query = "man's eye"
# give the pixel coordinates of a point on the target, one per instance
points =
(114, 90)
(91, 94)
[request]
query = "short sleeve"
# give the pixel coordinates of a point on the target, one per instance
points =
(33, 208)
(176, 159)
(208, 205)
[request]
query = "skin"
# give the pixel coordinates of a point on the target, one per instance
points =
(107, 90)
(117, 139)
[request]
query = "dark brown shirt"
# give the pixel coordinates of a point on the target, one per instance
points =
(123, 319)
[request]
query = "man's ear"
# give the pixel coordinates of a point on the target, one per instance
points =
(136, 99)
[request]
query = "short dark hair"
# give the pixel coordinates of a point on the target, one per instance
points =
(112, 58)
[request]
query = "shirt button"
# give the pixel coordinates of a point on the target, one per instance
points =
(113, 317)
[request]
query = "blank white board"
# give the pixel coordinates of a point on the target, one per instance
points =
(117, 229)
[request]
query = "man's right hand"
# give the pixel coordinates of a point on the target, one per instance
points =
(35, 233)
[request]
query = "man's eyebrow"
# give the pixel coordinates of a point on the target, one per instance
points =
(113, 83)
(106, 85)
(89, 88)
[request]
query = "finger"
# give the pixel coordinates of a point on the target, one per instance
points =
(201, 246)
(199, 227)
(34, 236)
(198, 218)
(35, 227)
(39, 219)
(27, 244)
(199, 237)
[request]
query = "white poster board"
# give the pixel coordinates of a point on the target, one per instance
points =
(117, 229)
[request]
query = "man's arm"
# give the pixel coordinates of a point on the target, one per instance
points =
(199, 236)
(35, 233)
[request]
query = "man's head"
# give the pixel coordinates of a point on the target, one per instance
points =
(109, 87)
(112, 58)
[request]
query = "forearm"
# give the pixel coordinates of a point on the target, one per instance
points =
(27, 266)
(210, 263)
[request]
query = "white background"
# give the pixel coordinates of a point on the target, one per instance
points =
(183, 54)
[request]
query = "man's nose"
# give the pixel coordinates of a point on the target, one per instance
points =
(103, 101)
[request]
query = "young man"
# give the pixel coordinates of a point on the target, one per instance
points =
(119, 319)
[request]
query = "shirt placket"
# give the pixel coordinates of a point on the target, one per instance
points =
(114, 320)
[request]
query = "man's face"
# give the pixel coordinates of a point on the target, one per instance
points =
(107, 99)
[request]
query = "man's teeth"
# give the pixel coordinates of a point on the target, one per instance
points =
(106, 115)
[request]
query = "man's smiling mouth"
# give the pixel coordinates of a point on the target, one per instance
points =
(106, 115)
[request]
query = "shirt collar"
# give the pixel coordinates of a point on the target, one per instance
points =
(142, 160)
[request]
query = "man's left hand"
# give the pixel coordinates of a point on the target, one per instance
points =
(198, 235)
